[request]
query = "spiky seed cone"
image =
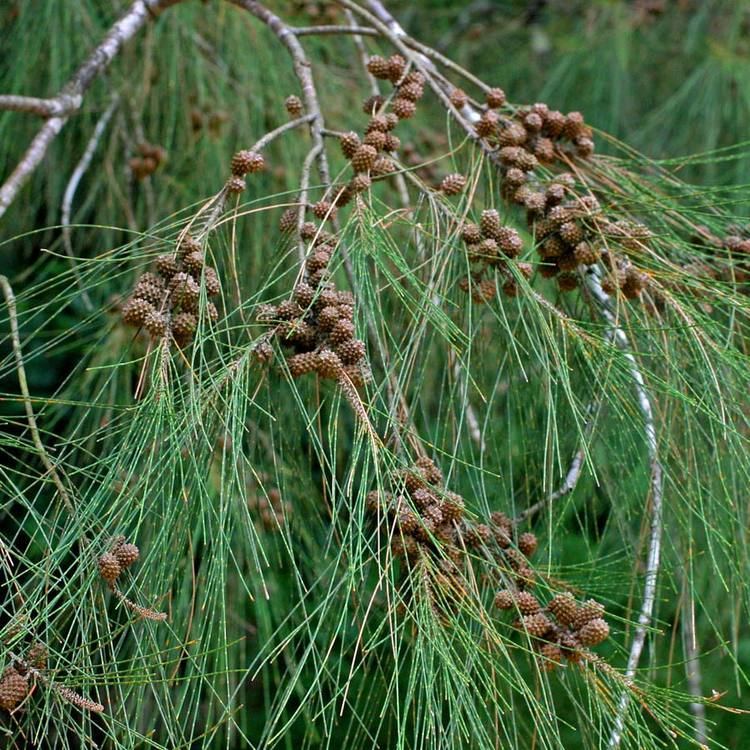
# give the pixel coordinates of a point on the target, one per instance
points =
(235, 184)
(535, 202)
(471, 234)
(548, 270)
(328, 297)
(413, 92)
(324, 210)
(527, 543)
(288, 309)
(567, 282)
(183, 326)
(396, 66)
(373, 104)
(184, 290)
(302, 364)
(544, 150)
(421, 496)
(453, 507)
(211, 312)
(490, 222)
(514, 134)
(376, 139)
(308, 230)
(486, 250)
(135, 311)
(342, 331)
(536, 625)
(550, 656)
(363, 158)
(379, 67)
(37, 656)
(13, 689)
(293, 105)
(188, 245)
(495, 98)
(571, 233)
(194, 262)
(262, 352)
(329, 364)
(453, 184)
(303, 294)
(487, 124)
(585, 254)
(459, 98)
(564, 608)
(414, 77)
(265, 313)
(349, 144)
(109, 568)
(533, 122)
(589, 610)
(568, 261)
(403, 108)
(345, 297)
(505, 599)
(430, 470)
(328, 317)
(527, 603)
(525, 577)
(515, 177)
(211, 279)
(554, 123)
(485, 291)
(382, 167)
(351, 351)
(574, 125)
(167, 265)
(509, 241)
(571, 647)
(594, 632)
(525, 269)
(246, 161)
(149, 292)
(391, 143)
(127, 554)
(156, 324)
(559, 215)
(360, 182)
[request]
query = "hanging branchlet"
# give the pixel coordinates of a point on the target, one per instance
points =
(112, 563)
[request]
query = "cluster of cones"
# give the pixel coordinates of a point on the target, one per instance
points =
(166, 303)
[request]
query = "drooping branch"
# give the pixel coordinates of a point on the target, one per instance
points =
(653, 558)
(60, 108)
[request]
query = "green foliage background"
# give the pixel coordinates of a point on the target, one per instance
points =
(290, 636)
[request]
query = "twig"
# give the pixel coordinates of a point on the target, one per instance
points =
(10, 301)
(72, 186)
(617, 335)
(70, 98)
(333, 29)
(693, 670)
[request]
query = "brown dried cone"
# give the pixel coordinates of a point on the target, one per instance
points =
(235, 184)
(550, 656)
(382, 167)
(376, 139)
(527, 543)
(135, 311)
(324, 210)
(363, 158)
(505, 599)
(536, 625)
(490, 222)
(349, 144)
(379, 67)
(302, 364)
(14, 688)
(453, 184)
(109, 567)
(487, 124)
(453, 507)
(211, 279)
(567, 282)
(585, 254)
(188, 245)
(589, 610)
(288, 220)
(247, 161)
(396, 67)
(194, 263)
(594, 632)
(127, 554)
(360, 182)
(495, 98)
(403, 108)
(459, 98)
(167, 265)
(153, 293)
(329, 365)
(509, 241)
(156, 324)
(372, 104)
(563, 607)
(293, 105)
(411, 91)
(527, 603)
